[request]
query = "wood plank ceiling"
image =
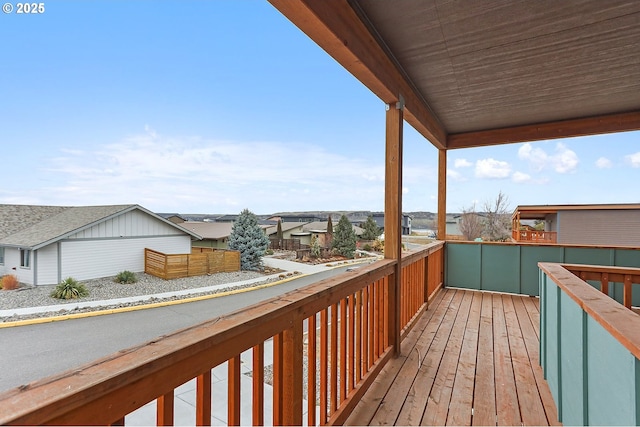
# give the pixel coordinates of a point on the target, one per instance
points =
(490, 72)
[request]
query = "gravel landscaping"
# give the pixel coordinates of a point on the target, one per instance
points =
(106, 289)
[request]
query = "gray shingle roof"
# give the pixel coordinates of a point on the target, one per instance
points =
(36, 226)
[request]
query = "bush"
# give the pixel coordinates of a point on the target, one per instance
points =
(69, 288)
(367, 247)
(269, 252)
(9, 282)
(126, 277)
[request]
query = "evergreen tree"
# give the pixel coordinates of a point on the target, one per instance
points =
(344, 238)
(371, 230)
(279, 234)
(248, 238)
(328, 239)
(315, 246)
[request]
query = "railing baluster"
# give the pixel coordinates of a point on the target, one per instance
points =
(258, 385)
(164, 409)
(351, 356)
(324, 357)
(604, 283)
(292, 374)
(358, 337)
(203, 399)
(277, 380)
(233, 395)
(333, 364)
(365, 330)
(311, 371)
(343, 351)
(627, 291)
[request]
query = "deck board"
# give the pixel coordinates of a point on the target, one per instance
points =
(471, 359)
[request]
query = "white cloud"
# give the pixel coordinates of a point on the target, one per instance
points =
(455, 175)
(198, 174)
(634, 159)
(491, 168)
(462, 163)
(564, 160)
(603, 163)
(520, 177)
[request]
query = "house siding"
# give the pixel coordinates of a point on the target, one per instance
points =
(599, 227)
(131, 224)
(47, 265)
(12, 266)
(90, 259)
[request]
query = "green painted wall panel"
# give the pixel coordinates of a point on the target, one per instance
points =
(611, 379)
(591, 256)
(463, 265)
(571, 350)
(551, 337)
(501, 268)
(529, 258)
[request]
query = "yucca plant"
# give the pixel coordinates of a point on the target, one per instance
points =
(126, 277)
(69, 288)
(9, 282)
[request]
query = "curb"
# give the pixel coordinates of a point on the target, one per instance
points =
(96, 313)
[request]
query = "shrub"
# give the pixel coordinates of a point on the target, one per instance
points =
(69, 288)
(126, 277)
(9, 282)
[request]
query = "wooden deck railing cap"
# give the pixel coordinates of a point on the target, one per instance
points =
(623, 324)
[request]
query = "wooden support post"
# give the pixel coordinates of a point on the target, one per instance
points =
(393, 216)
(442, 194)
(292, 375)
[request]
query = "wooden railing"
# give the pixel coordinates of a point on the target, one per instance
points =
(339, 328)
(534, 236)
(606, 275)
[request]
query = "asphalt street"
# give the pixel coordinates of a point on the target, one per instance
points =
(32, 352)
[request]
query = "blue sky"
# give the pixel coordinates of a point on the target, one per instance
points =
(212, 107)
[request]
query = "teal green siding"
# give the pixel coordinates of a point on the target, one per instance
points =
(514, 268)
(463, 265)
(500, 268)
(611, 379)
(594, 379)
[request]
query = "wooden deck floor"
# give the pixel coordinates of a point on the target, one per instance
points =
(471, 359)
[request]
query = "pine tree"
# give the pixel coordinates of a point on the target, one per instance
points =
(248, 238)
(371, 230)
(328, 239)
(344, 238)
(315, 246)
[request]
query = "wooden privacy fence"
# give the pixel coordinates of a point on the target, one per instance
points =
(340, 328)
(286, 244)
(198, 263)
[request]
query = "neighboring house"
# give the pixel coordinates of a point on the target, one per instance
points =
(605, 224)
(214, 234)
(406, 222)
(173, 217)
(319, 229)
(42, 245)
(290, 230)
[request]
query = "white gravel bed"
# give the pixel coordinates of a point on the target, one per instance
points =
(106, 289)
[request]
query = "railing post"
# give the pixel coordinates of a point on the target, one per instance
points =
(393, 216)
(292, 375)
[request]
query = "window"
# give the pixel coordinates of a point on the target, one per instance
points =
(25, 258)
(1, 255)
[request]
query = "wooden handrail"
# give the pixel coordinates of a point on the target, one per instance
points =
(621, 323)
(355, 341)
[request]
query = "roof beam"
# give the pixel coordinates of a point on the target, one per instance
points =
(551, 130)
(335, 26)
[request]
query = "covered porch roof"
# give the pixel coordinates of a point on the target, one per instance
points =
(467, 74)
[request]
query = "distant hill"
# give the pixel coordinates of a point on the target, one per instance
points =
(420, 219)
